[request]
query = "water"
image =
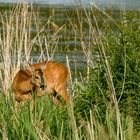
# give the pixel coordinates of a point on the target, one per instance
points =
(129, 4)
(68, 44)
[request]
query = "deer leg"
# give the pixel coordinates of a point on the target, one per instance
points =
(21, 97)
(49, 92)
(24, 96)
(54, 100)
(17, 106)
(64, 94)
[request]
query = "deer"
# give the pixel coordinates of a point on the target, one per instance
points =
(56, 78)
(27, 82)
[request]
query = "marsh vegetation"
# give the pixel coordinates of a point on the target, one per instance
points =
(105, 91)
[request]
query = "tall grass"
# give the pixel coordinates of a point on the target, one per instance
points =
(97, 110)
(14, 42)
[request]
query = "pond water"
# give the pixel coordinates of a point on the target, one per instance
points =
(133, 4)
(68, 44)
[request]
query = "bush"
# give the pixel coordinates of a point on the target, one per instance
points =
(123, 53)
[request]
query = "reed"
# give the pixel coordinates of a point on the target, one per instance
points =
(95, 111)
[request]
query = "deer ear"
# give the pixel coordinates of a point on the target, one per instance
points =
(45, 62)
(29, 66)
(44, 65)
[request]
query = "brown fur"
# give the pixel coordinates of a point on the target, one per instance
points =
(56, 79)
(25, 83)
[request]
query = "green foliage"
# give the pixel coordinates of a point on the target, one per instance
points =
(125, 64)
(93, 115)
(92, 97)
(45, 120)
(123, 52)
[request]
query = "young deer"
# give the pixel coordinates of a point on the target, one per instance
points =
(56, 75)
(28, 81)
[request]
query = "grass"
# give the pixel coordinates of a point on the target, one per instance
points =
(105, 99)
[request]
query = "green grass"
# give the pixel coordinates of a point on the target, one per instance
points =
(50, 122)
(105, 98)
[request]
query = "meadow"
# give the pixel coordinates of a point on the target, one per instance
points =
(105, 93)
